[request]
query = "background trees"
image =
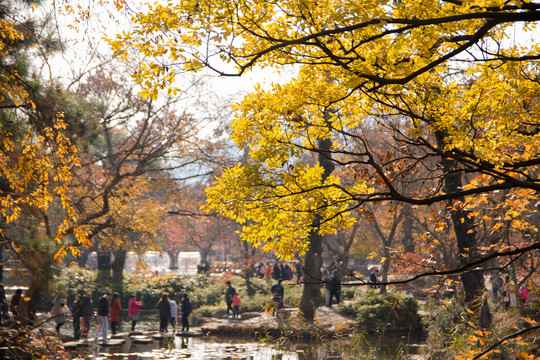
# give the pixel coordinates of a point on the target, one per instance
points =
(456, 97)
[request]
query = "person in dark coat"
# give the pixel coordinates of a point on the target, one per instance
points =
(76, 310)
(334, 288)
(87, 312)
(276, 271)
(287, 272)
(277, 289)
(103, 315)
(185, 310)
(164, 312)
(374, 278)
(229, 292)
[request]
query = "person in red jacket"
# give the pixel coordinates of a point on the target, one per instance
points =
(114, 312)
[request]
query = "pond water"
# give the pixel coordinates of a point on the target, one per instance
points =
(234, 348)
(214, 348)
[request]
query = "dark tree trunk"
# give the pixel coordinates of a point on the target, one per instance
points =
(83, 258)
(103, 270)
(118, 271)
(407, 241)
(311, 294)
(173, 255)
(464, 228)
(248, 251)
(38, 286)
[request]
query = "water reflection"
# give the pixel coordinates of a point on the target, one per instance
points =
(217, 348)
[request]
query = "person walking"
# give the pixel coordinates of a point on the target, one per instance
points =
(114, 312)
(76, 309)
(374, 278)
(277, 289)
(174, 313)
(164, 312)
(276, 271)
(185, 310)
(133, 311)
(335, 288)
(327, 286)
(236, 300)
(87, 313)
(103, 315)
(269, 271)
(229, 291)
(58, 312)
(262, 271)
(15, 302)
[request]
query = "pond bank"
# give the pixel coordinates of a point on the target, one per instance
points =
(328, 324)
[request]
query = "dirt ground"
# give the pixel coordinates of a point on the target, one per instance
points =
(328, 323)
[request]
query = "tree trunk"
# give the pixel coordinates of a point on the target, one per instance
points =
(311, 294)
(248, 268)
(82, 259)
(407, 241)
(118, 271)
(38, 286)
(464, 228)
(103, 270)
(173, 255)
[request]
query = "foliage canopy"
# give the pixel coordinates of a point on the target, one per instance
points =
(446, 78)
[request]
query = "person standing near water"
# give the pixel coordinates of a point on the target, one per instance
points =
(133, 311)
(87, 312)
(229, 291)
(57, 312)
(114, 312)
(164, 312)
(103, 315)
(174, 312)
(185, 309)
(76, 309)
(236, 300)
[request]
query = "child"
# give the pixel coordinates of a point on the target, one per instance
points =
(236, 300)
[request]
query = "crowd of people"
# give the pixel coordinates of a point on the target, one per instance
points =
(278, 270)
(507, 291)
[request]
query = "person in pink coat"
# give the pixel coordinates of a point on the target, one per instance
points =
(133, 311)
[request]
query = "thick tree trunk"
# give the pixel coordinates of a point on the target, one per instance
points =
(173, 255)
(38, 286)
(103, 270)
(464, 228)
(82, 259)
(311, 294)
(118, 271)
(248, 251)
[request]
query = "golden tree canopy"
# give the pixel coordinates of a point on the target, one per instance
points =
(452, 79)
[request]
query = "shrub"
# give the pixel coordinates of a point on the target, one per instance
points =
(376, 312)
